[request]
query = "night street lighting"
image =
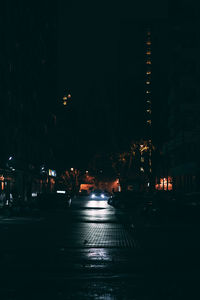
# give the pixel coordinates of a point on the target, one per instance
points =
(66, 98)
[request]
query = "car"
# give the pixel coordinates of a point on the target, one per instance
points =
(56, 200)
(126, 199)
(98, 194)
(189, 211)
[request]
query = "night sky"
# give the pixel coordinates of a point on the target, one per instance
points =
(101, 61)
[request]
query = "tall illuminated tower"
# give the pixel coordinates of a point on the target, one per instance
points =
(148, 95)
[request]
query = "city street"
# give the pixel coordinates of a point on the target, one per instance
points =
(90, 251)
(99, 156)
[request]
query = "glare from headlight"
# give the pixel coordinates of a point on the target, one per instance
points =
(102, 196)
(93, 196)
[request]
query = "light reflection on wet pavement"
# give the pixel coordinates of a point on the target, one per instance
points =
(85, 253)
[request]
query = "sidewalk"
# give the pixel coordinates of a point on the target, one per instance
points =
(10, 212)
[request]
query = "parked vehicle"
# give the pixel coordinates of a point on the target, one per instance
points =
(127, 199)
(189, 211)
(49, 201)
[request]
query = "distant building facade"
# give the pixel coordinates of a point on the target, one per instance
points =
(181, 160)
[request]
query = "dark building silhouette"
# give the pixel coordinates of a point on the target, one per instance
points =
(28, 82)
(181, 151)
(28, 78)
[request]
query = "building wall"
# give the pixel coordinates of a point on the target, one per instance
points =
(27, 82)
(28, 78)
(181, 150)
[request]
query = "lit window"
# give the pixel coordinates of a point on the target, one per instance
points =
(148, 33)
(148, 72)
(64, 102)
(148, 43)
(69, 96)
(142, 159)
(149, 122)
(150, 170)
(148, 62)
(164, 185)
(142, 169)
(64, 98)
(150, 162)
(148, 92)
(149, 111)
(148, 82)
(148, 101)
(148, 52)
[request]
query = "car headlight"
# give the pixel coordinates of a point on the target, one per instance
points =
(93, 196)
(102, 196)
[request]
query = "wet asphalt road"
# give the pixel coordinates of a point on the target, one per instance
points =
(90, 252)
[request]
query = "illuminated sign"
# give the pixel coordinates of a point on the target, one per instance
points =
(52, 173)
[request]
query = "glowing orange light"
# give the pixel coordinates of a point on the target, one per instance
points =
(148, 72)
(149, 122)
(148, 52)
(143, 148)
(65, 103)
(64, 98)
(2, 182)
(148, 62)
(165, 184)
(148, 43)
